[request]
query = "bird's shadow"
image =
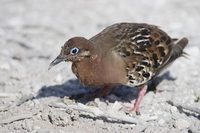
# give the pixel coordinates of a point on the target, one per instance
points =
(76, 91)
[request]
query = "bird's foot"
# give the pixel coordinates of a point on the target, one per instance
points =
(142, 91)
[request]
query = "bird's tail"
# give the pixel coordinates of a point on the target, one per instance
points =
(177, 50)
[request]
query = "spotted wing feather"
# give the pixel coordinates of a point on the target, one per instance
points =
(144, 50)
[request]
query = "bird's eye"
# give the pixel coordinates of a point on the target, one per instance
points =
(74, 50)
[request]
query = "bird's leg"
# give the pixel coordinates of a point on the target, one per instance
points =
(105, 90)
(142, 91)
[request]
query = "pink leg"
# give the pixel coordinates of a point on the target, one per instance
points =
(139, 98)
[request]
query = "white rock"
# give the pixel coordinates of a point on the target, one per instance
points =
(182, 124)
(100, 122)
(173, 109)
(59, 78)
(65, 119)
(97, 100)
(5, 66)
(116, 106)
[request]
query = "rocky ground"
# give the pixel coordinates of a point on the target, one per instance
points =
(33, 99)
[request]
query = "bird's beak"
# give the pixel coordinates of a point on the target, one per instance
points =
(56, 61)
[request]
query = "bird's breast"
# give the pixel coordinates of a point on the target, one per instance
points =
(85, 73)
(100, 71)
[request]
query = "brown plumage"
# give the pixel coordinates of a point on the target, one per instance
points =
(125, 53)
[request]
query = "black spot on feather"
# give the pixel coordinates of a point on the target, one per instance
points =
(162, 51)
(130, 77)
(146, 75)
(139, 68)
(157, 42)
(145, 32)
(164, 38)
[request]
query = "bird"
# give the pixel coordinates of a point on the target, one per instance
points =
(130, 54)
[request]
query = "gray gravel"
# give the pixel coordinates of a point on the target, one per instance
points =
(33, 99)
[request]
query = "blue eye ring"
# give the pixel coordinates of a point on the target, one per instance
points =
(74, 51)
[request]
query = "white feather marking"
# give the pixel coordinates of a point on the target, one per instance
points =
(134, 37)
(141, 29)
(143, 40)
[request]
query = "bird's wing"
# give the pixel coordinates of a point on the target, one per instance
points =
(145, 50)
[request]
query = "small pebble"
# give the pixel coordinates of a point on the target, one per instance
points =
(161, 122)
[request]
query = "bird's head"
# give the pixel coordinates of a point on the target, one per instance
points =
(74, 50)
